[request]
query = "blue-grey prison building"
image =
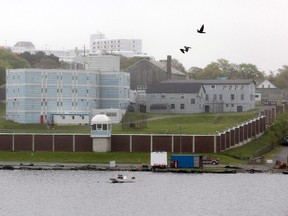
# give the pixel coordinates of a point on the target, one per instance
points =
(57, 96)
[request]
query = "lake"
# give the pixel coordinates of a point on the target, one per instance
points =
(89, 193)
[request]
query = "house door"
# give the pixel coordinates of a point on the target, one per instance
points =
(239, 109)
(207, 108)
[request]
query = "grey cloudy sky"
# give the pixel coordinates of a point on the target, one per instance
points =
(241, 31)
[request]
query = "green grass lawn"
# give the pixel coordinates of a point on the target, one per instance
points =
(91, 157)
(204, 123)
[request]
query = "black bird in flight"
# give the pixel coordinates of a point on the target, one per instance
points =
(186, 49)
(201, 30)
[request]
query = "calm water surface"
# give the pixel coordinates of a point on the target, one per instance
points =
(55, 193)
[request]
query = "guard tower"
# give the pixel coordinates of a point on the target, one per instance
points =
(101, 133)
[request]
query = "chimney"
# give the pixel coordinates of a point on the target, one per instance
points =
(169, 73)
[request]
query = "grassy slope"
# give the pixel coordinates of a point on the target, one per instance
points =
(205, 123)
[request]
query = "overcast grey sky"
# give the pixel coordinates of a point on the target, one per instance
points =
(241, 31)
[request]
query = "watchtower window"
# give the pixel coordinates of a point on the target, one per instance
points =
(104, 126)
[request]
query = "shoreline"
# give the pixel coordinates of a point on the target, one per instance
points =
(228, 169)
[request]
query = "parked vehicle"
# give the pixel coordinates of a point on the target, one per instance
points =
(158, 159)
(209, 160)
(284, 140)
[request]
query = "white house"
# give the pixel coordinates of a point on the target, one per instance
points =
(265, 84)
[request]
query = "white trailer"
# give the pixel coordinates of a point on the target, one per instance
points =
(159, 159)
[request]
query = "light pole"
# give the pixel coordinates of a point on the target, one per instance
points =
(180, 131)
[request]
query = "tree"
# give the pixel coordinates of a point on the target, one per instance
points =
(177, 65)
(193, 72)
(41, 60)
(279, 127)
(211, 71)
(9, 60)
(222, 68)
(281, 78)
(250, 71)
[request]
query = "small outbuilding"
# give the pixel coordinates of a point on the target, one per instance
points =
(101, 128)
(186, 161)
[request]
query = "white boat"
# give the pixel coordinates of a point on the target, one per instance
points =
(122, 179)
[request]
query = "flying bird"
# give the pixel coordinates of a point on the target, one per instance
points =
(201, 31)
(186, 49)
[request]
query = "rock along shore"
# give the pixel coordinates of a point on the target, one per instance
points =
(136, 167)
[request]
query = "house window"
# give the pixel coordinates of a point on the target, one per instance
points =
(206, 97)
(172, 106)
(99, 127)
(73, 117)
(227, 105)
(212, 87)
(230, 87)
(220, 97)
(182, 96)
(215, 97)
(104, 126)
(236, 87)
(232, 96)
(242, 87)
(192, 100)
(232, 105)
(182, 106)
(242, 96)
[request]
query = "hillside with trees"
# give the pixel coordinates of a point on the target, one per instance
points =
(41, 60)
(9, 60)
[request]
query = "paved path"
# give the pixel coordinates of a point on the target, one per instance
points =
(282, 155)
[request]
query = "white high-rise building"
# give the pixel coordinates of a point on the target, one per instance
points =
(127, 47)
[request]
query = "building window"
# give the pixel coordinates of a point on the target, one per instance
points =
(182, 96)
(242, 96)
(104, 126)
(162, 96)
(224, 87)
(227, 105)
(242, 87)
(215, 97)
(232, 96)
(230, 87)
(206, 97)
(212, 87)
(192, 100)
(63, 117)
(236, 87)
(172, 106)
(73, 117)
(99, 127)
(232, 105)
(220, 97)
(182, 106)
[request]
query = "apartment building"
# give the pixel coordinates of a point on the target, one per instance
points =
(57, 96)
